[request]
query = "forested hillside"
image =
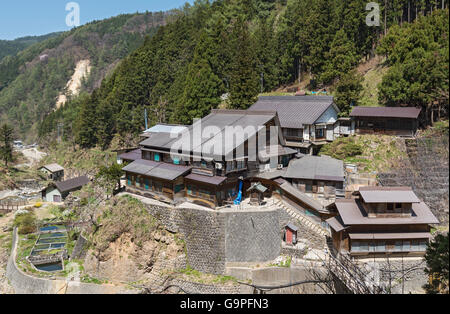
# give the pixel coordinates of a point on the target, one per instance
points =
(12, 47)
(31, 80)
(227, 51)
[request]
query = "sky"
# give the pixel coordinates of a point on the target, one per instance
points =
(19, 18)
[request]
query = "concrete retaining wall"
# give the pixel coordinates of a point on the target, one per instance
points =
(25, 284)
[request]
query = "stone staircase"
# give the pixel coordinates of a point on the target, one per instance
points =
(297, 215)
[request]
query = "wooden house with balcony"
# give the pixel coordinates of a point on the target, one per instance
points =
(399, 121)
(307, 122)
(380, 222)
(202, 164)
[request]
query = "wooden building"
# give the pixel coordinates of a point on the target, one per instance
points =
(399, 121)
(256, 192)
(58, 191)
(53, 172)
(204, 177)
(381, 221)
(307, 122)
(290, 234)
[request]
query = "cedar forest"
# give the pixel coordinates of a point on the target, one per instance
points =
(240, 48)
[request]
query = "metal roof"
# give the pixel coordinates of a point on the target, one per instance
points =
(215, 180)
(292, 227)
(388, 195)
(154, 169)
(72, 184)
(295, 111)
(352, 212)
(166, 128)
(275, 151)
(213, 132)
(336, 223)
(386, 112)
(258, 187)
(290, 189)
(53, 167)
(316, 168)
(389, 236)
(133, 155)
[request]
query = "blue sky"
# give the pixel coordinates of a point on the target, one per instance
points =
(20, 18)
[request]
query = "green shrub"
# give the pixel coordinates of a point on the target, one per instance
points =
(26, 223)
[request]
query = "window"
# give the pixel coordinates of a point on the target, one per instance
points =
(422, 246)
(372, 247)
(390, 207)
(147, 183)
(157, 157)
(179, 188)
(406, 246)
(356, 246)
(415, 246)
(176, 161)
(130, 180)
(398, 206)
(364, 247)
(320, 133)
(189, 190)
(398, 246)
(381, 247)
(240, 164)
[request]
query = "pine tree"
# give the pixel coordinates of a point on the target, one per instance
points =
(244, 80)
(348, 92)
(203, 90)
(6, 144)
(340, 59)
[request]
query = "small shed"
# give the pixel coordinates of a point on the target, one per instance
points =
(257, 191)
(58, 191)
(53, 171)
(290, 234)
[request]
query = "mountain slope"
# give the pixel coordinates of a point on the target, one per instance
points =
(32, 80)
(12, 47)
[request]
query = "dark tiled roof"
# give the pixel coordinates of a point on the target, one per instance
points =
(388, 195)
(316, 168)
(295, 111)
(292, 227)
(336, 223)
(72, 184)
(206, 179)
(353, 213)
(386, 112)
(155, 169)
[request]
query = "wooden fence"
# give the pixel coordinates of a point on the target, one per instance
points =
(10, 206)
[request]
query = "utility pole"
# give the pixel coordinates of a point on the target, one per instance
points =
(262, 82)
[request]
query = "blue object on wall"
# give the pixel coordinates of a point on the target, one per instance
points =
(238, 200)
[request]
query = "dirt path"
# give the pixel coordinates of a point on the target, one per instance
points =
(33, 155)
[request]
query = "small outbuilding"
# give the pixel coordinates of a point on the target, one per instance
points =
(53, 171)
(400, 121)
(257, 191)
(290, 234)
(58, 191)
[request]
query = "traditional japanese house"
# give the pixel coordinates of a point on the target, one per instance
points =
(307, 122)
(321, 178)
(381, 221)
(207, 166)
(400, 121)
(256, 192)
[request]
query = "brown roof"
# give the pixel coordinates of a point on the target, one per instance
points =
(133, 155)
(290, 189)
(353, 213)
(336, 223)
(72, 184)
(206, 179)
(386, 112)
(388, 195)
(389, 236)
(160, 170)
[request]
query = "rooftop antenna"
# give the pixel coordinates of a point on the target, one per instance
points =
(146, 119)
